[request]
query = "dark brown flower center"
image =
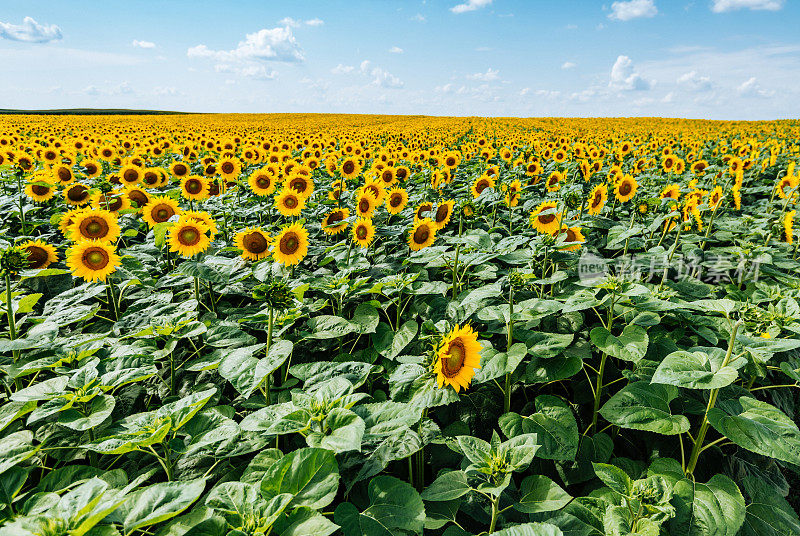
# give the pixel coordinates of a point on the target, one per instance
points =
(422, 234)
(362, 232)
(37, 257)
(38, 189)
(77, 193)
(189, 236)
(180, 169)
(227, 167)
(130, 175)
(289, 244)
(138, 197)
(625, 188)
(64, 174)
(442, 213)
(95, 258)
(454, 360)
(363, 206)
(194, 186)
(162, 213)
(290, 202)
(150, 178)
(263, 182)
(546, 218)
(94, 227)
(348, 167)
(255, 243)
(396, 200)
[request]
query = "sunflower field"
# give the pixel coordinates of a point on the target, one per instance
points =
(303, 325)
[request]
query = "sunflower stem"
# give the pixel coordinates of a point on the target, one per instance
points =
(112, 303)
(509, 342)
(197, 293)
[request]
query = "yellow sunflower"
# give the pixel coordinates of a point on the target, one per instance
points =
(194, 187)
(92, 260)
(626, 189)
(574, 234)
(229, 168)
(289, 202)
(443, 214)
(111, 201)
(76, 194)
(179, 169)
(457, 357)
(481, 183)
(130, 174)
(160, 209)
(334, 222)
(422, 234)
(422, 211)
(39, 189)
(40, 254)
(363, 232)
(188, 237)
(91, 168)
(512, 193)
(290, 245)
(203, 217)
(137, 197)
(597, 199)
(545, 218)
(254, 243)
(95, 224)
(350, 167)
(397, 200)
(302, 184)
(672, 191)
(365, 204)
(62, 174)
(262, 182)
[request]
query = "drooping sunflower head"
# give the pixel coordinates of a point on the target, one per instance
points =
(40, 254)
(160, 209)
(422, 210)
(546, 218)
(422, 234)
(95, 224)
(137, 197)
(289, 202)
(554, 181)
(92, 260)
(335, 221)
(188, 237)
(290, 245)
(457, 357)
(254, 243)
(396, 200)
(597, 199)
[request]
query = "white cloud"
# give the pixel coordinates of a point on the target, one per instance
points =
(668, 98)
(624, 77)
(166, 91)
(722, 6)
(342, 69)
(315, 22)
(380, 77)
(751, 88)
(447, 88)
(488, 76)
(253, 71)
(276, 44)
(633, 9)
(396, 50)
(693, 82)
(470, 5)
(568, 65)
(289, 22)
(30, 31)
(143, 44)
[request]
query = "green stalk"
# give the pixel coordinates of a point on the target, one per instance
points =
(712, 400)
(495, 514)
(509, 342)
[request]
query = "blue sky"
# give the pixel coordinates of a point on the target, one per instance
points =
(719, 59)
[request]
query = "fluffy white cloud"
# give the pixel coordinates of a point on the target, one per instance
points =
(30, 31)
(143, 44)
(751, 88)
(488, 76)
(396, 50)
(380, 77)
(568, 65)
(693, 82)
(342, 69)
(276, 44)
(524, 91)
(633, 9)
(470, 5)
(624, 76)
(722, 6)
(315, 22)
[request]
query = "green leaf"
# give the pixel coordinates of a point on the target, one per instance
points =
(758, 427)
(311, 475)
(304, 522)
(396, 341)
(331, 327)
(99, 409)
(160, 502)
(614, 477)
(541, 494)
(631, 345)
(530, 529)
(495, 364)
(644, 406)
(553, 423)
(769, 514)
(343, 431)
(695, 370)
(547, 345)
(395, 508)
(446, 487)
(365, 318)
(16, 448)
(715, 508)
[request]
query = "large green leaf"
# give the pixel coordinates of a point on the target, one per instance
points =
(645, 406)
(715, 508)
(311, 475)
(16, 448)
(395, 508)
(446, 487)
(160, 502)
(530, 529)
(539, 493)
(553, 423)
(343, 431)
(768, 513)
(630, 345)
(695, 370)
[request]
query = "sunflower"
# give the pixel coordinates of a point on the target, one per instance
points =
(554, 181)
(337, 189)
(715, 197)
(363, 232)
(130, 174)
(788, 221)
(188, 237)
(350, 167)
(302, 184)
(39, 189)
(262, 182)
(374, 188)
(67, 219)
(94, 261)
(179, 169)
(545, 218)
(290, 245)
(203, 217)
(365, 204)
(63, 174)
(40, 254)
(76, 194)
(160, 209)
(111, 201)
(194, 187)
(387, 177)
(597, 199)
(422, 210)
(91, 168)
(699, 167)
(481, 183)
(626, 189)
(253, 242)
(289, 202)
(95, 224)
(512, 193)
(334, 222)
(152, 177)
(229, 168)
(457, 357)
(574, 234)
(671, 191)
(137, 197)
(397, 200)
(422, 234)
(443, 214)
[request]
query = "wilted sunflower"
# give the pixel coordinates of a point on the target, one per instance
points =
(363, 232)
(545, 218)
(672, 191)
(574, 234)
(179, 169)
(443, 214)
(40, 254)
(626, 189)
(91, 260)
(290, 245)
(188, 237)
(365, 204)
(194, 187)
(334, 222)
(254, 243)
(262, 182)
(95, 224)
(396, 200)
(457, 357)
(289, 202)
(130, 174)
(422, 234)
(160, 209)
(597, 199)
